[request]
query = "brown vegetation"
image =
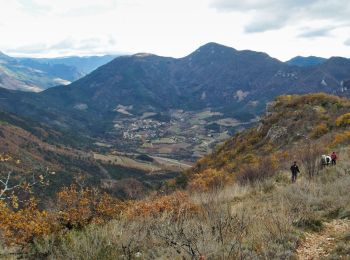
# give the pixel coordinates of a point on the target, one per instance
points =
(264, 221)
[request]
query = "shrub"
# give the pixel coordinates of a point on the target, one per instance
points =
(145, 157)
(77, 208)
(310, 157)
(343, 120)
(319, 131)
(175, 204)
(309, 224)
(341, 138)
(181, 180)
(22, 225)
(258, 172)
(209, 179)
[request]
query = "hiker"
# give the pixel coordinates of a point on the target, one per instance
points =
(295, 170)
(334, 158)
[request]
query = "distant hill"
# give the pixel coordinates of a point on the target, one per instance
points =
(306, 61)
(30, 74)
(84, 64)
(33, 76)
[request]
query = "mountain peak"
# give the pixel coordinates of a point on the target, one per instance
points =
(213, 46)
(143, 55)
(212, 49)
(302, 61)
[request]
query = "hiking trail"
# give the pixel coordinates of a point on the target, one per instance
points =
(319, 245)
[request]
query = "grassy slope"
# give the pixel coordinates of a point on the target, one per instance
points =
(270, 220)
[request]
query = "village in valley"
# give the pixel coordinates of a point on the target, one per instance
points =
(177, 134)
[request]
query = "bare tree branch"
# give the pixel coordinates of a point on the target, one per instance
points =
(6, 187)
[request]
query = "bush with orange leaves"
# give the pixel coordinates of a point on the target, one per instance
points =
(76, 208)
(209, 179)
(80, 207)
(175, 205)
(343, 120)
(20, 226)
(319, 131)
(341, 138)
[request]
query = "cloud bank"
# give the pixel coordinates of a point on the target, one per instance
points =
(41, 28)
(275, 14)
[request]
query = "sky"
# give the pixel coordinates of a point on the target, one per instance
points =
(281, 28)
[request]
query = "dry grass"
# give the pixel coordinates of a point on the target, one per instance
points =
(266, 220)
(263, 221)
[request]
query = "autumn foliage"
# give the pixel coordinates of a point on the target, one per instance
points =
(320, 130)
(20, 226)
(80, 207)
(175, 204)
(341, 138)
(75, 208)
(343, 120)
(210, 179)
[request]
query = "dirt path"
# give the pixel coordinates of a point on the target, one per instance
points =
(319, 245)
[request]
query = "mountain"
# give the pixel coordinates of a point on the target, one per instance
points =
(176, 107)
(306, 61)
(31, 74)
(213, 76)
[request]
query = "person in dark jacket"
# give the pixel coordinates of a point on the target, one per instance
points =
(295, 170)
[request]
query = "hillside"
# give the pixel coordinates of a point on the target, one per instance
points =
(271, 220)
(37, 149)
(293, 127)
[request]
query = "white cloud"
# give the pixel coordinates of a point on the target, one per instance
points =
(172, 28)
(347, 42)
(316, 32)
(275, 14)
